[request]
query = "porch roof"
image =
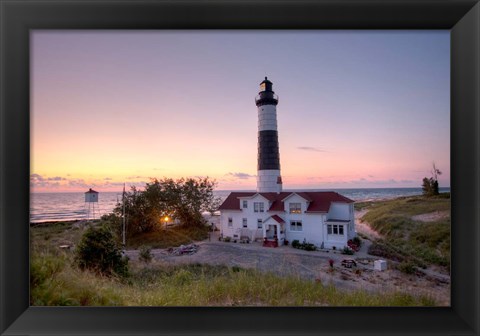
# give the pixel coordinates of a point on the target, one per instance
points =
(277, 219)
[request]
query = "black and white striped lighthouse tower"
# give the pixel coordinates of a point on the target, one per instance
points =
(268, 174)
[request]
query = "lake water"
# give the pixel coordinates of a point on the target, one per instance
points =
(70, 206)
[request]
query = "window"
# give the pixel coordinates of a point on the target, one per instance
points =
(258, 207)
(295, 208)
(295, 226)
(245, 204)
(244, 222)
(230, 221)
(259, 223)
(335, 229)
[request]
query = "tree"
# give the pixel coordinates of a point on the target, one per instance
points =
(98, 251)
(430, 185)
(183, 199)
(188, 198)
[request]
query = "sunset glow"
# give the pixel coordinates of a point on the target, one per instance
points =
(356, 109)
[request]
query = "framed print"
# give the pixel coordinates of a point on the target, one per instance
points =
(38, 40)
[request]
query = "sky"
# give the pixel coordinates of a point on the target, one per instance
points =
(357, 109)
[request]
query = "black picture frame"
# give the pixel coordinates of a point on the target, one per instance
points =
(18, 17)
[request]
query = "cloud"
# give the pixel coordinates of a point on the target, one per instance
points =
(114, 184)
(241, 176)
(312, 149)
(134, 177)
(107, 179)
(56, 178)
(40, 178)
(36, 178)
(78, 183)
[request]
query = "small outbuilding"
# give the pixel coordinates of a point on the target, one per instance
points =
(91, 195)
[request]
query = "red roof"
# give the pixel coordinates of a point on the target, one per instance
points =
(278, 219)
(319, 201)
(304, 195)
(232, 202)
(91, 191)
(277, 205)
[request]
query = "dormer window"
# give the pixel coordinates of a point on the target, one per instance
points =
(258, 207)
(295, 208)
(244, 204)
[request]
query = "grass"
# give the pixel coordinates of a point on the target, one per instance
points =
(408, 239)
(163, 238)
(52, 234)
(55, 281)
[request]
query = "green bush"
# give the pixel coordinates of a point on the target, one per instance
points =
(407, 267)
(347, 251)
(97, 251)
(145, 253)
(380, 249)
(303, 246)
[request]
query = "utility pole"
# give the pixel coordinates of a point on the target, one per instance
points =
(123, 229)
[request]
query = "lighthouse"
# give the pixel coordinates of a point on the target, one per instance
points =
(323, 218)
(268, 161)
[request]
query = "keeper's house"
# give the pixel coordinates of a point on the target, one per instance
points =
(325, 219)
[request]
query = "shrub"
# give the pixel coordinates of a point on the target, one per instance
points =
(381, 250)
(303, 246)
(406, 267)
(97, 251)
(145, 253)
(226, 239)
(347, 250)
